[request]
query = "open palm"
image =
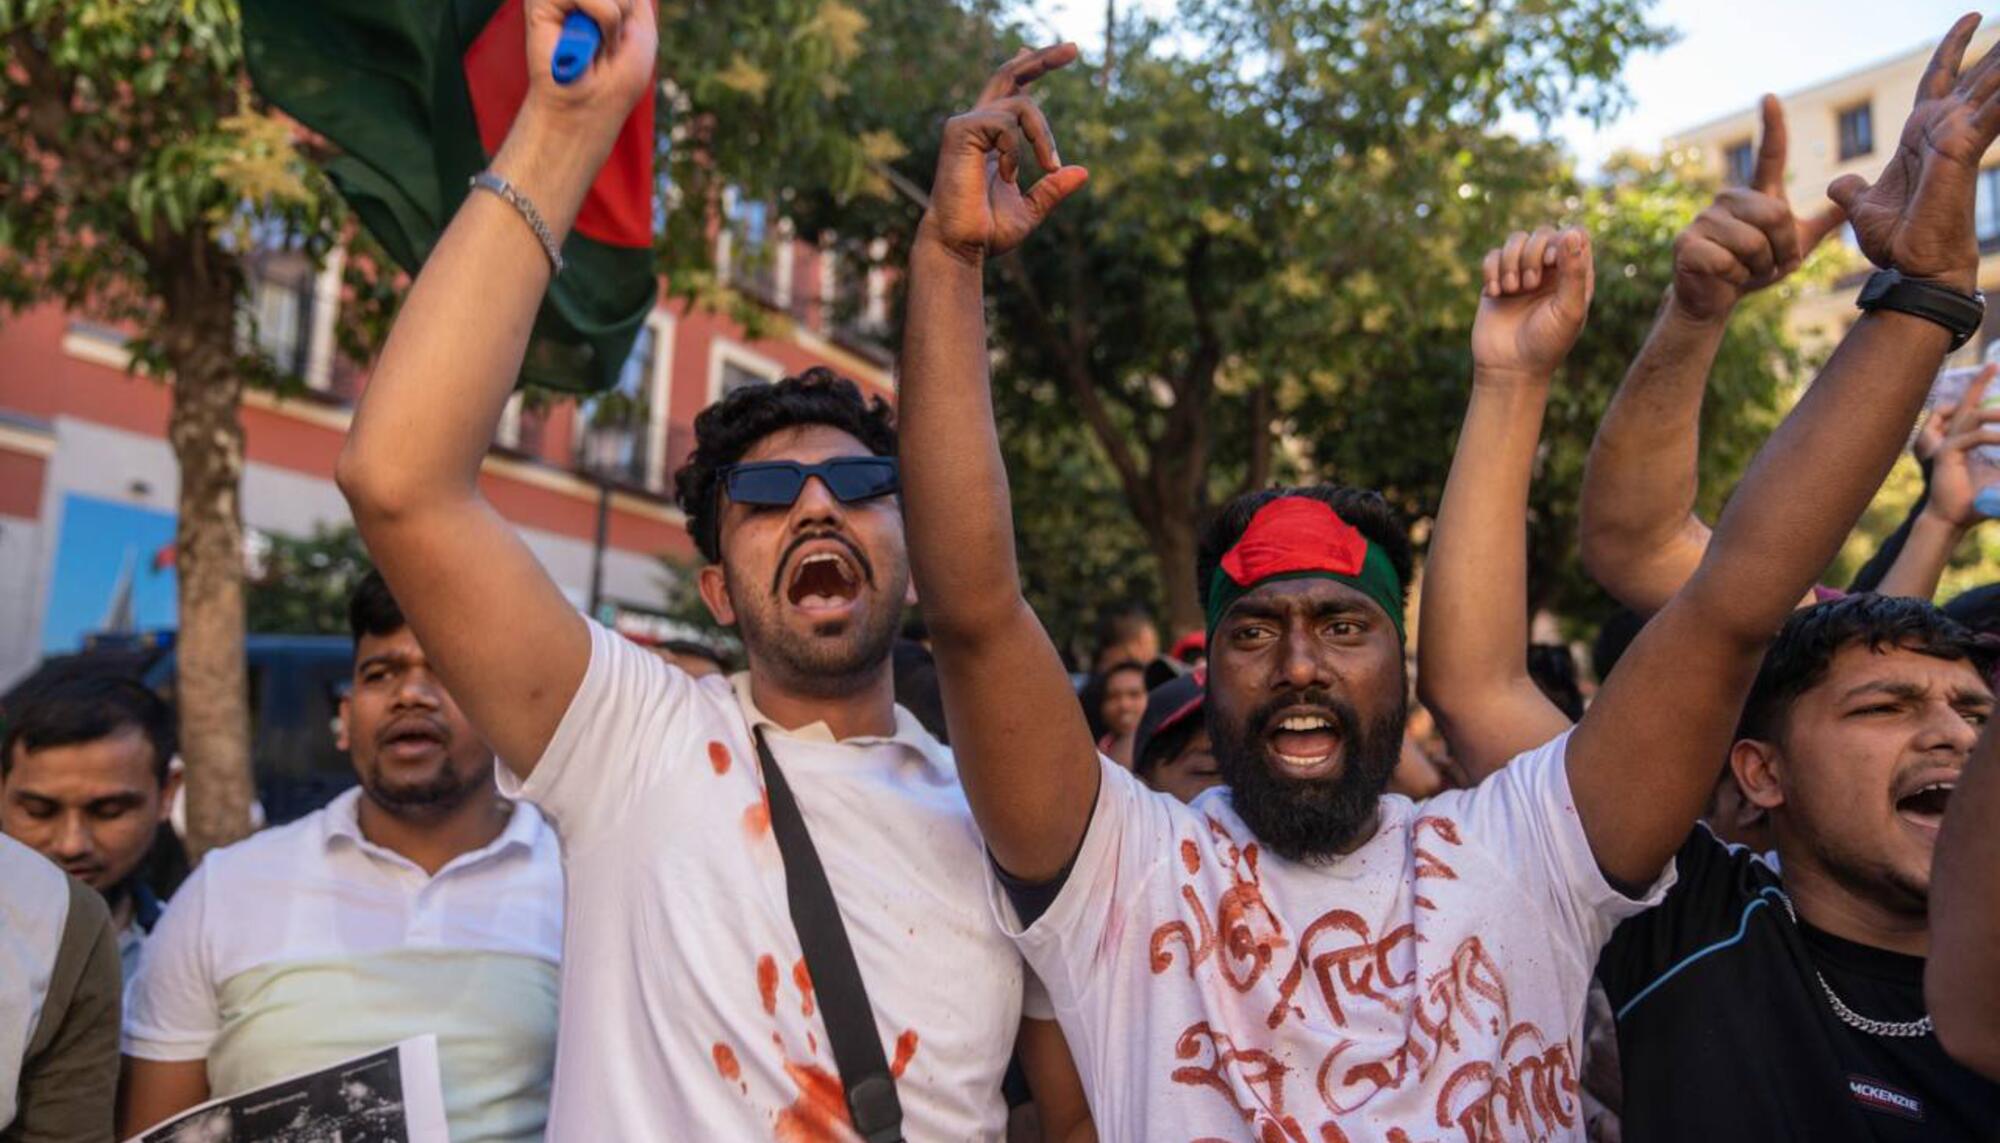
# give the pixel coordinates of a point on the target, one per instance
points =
(1917, 217)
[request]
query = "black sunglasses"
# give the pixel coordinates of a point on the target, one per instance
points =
(777, 483)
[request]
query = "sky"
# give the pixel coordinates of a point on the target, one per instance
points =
(1729, 53)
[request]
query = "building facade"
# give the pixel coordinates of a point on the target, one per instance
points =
(88, 481)
(1846, 125)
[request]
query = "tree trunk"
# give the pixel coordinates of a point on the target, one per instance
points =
(1110, 40)
(1259, 473)
(206, 430)
(1172, 539)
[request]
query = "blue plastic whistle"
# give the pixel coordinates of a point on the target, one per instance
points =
(576, 47)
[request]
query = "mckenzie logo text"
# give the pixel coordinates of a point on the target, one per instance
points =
(1881, 1097)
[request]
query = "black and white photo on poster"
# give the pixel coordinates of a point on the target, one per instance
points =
(388, 1096)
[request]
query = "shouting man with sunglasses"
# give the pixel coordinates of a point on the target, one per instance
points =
(696, 997)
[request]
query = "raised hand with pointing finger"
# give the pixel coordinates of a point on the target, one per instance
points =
(1640, 537)
(1749, 238)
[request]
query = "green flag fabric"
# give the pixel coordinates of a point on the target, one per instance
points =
(417, 96)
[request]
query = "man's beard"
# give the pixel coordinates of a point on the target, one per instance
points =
(828, 662)
(433, 796)
(1316, 820)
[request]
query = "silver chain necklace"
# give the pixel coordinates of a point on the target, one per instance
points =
(1902, 1029)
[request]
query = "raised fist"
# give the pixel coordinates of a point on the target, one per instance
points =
(977, 207)
(603, 95)
(1917, 218)
(1535, 299)
(1748, 238)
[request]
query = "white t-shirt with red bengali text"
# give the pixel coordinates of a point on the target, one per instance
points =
(1429, 986)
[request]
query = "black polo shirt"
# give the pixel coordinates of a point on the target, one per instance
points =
(1725, 1032)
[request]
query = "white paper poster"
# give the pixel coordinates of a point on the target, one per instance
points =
(389, 1096)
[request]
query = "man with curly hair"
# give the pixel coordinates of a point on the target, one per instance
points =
(688, 1008)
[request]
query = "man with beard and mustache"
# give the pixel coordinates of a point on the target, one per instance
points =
(689, 1009)
(1294, 955)
(420, 902)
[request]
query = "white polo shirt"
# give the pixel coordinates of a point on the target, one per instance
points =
(688, 1012)
(306, 944)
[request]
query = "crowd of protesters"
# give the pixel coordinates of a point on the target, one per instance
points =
(1744, 886)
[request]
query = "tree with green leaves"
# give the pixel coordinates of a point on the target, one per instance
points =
(1268, 277)
(138, 168)
(1274, 251)
(301, 585)
(1273, 242)
(1389, 423)
(134, 174)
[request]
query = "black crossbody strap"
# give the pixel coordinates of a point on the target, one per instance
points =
(843, 998)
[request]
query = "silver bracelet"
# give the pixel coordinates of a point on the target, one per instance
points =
(488, 181)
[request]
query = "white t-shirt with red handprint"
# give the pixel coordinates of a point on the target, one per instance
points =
(687, 1010)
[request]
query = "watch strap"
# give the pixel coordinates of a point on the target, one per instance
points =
(1960, 314)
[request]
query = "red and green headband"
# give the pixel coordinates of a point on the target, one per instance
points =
(1297, 537)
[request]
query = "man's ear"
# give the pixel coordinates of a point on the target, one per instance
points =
(910, 593)
(714, 588)
(1759, 770)
(340, 736)
(168, 789)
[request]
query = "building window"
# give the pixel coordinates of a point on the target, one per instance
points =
(523, 424)
(857, 298)
(1857, 131)
(287, 312)
(613, 437)
(1986, 208)
(735, 377)
(1740, 162)
(751, 237)
(275, 317)
(732, 366)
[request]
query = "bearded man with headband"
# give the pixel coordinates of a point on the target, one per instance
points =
(1295, 955)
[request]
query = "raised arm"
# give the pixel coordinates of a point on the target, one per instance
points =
(1948, 511)
(502, 636)
(1640, 536)
(1024, 752)
(1960, 985)
(1472, 650)
(1646, 755)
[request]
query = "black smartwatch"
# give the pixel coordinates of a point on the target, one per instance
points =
(1960, 314)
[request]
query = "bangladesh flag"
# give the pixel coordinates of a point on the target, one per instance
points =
(418, 95)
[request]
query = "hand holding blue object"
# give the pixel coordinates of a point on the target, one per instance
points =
(576, 47)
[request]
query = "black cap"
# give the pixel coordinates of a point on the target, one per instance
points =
(1171, 706)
